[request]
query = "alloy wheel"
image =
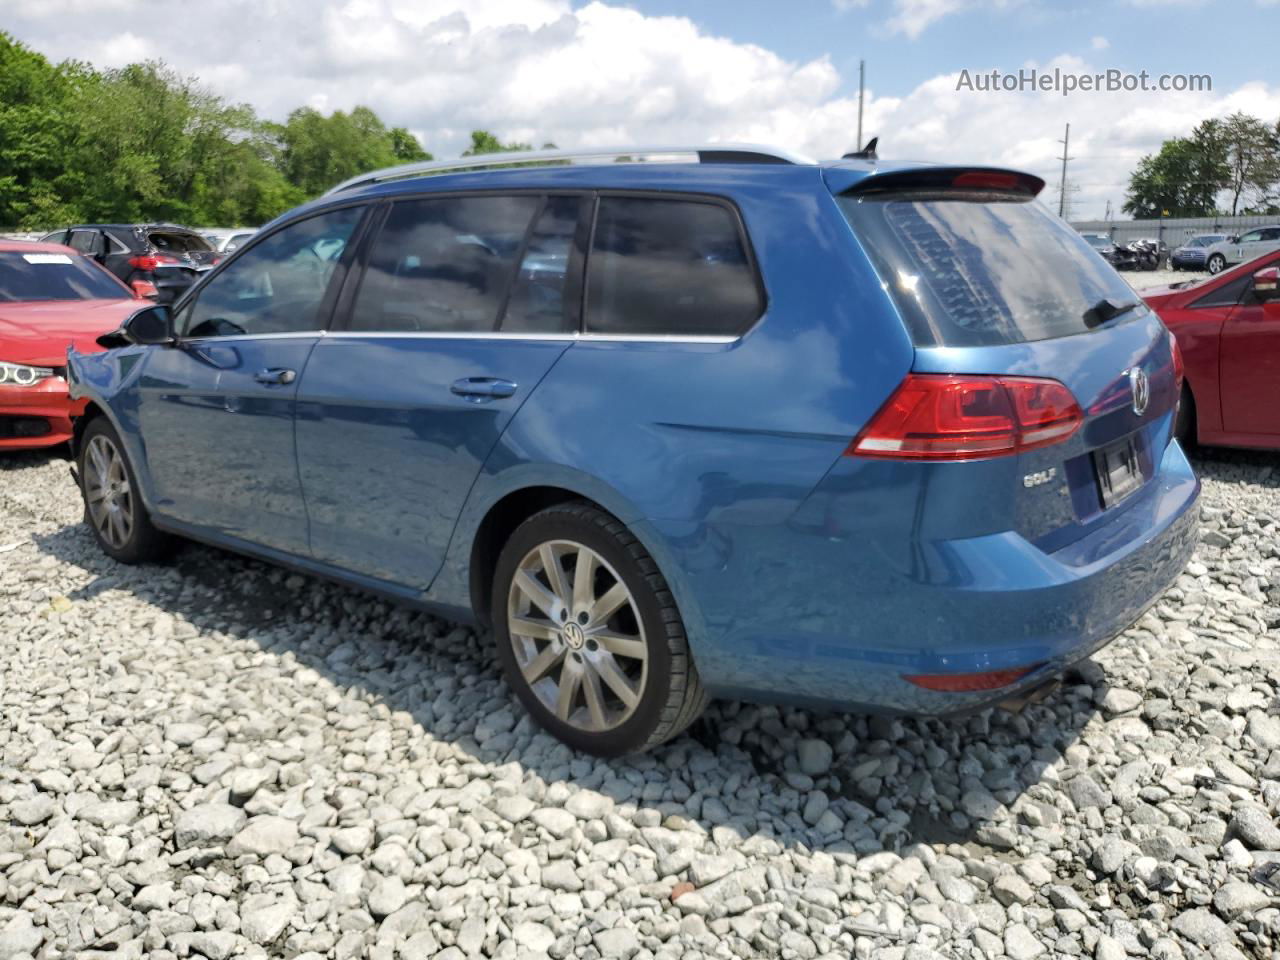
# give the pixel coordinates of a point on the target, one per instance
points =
(577, 636)
(107, 492)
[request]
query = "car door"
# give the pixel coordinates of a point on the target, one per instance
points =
(1249, 365)
(1247, 246)
(89, 242)
(216, 410)
(464, 303)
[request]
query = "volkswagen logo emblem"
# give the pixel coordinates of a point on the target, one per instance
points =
(1140, 387)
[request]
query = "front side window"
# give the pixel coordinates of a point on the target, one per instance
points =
(279, 286)
(662, 267)
(443, 264)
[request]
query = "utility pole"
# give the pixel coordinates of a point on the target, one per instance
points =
(862, 79)
(1062, 187)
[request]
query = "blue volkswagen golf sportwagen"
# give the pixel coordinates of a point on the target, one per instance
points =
(723, 423)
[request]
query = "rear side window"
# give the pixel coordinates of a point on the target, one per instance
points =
(443, 264)
(968, 269)
(669, 268)
(538, 303)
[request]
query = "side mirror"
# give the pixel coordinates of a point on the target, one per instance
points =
(147, 326)
(1266, 284)
(1234, 238)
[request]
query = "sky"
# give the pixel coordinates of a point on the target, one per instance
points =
(662, 72)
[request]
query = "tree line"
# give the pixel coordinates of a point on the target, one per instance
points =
(144, 143)
(1229, 166)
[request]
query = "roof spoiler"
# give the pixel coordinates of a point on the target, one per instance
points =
(968, 179)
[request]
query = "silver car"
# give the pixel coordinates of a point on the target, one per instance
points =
(1247, 246)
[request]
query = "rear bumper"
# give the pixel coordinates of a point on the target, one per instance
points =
(838, 620)
(37, 416)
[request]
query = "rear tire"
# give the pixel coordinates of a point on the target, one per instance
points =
(1184, 426)
(589, 635)
(113, 509)
(1217, 263)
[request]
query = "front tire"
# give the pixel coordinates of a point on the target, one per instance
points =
(1217, 263)
(112, 507)
(589, 635)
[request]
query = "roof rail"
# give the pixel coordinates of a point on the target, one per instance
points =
(706, 153)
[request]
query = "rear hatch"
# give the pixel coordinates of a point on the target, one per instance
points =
(1004, 302)
(182, 249)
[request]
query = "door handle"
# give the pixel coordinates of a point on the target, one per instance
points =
(483, 388)
(275, 375)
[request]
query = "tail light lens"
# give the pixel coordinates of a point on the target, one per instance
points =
(149, 261)
(958, 417)
(1179, 370)
(144, 289)
(969, 682)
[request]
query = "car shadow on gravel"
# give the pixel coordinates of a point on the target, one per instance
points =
(884, 782)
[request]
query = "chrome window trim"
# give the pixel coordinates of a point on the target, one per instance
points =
(465, 335)
(498, 335)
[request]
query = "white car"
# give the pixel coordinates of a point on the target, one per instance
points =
(1247, 246)
(227, 241)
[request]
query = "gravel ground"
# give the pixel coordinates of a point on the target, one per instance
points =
(1140, 280)
(219, 758)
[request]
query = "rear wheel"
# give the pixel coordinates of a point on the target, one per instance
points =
(112, 508)
(1217, 263)
(589, 635)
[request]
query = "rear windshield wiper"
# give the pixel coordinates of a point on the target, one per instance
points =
(1106, 310)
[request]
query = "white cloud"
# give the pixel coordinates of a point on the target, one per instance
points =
(540, 70)
(1099, 43)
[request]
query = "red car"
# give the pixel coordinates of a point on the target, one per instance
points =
(51, 297)
(1228, 331)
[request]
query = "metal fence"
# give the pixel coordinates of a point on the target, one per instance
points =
(1172, 231)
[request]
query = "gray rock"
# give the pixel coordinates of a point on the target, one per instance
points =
(533, 936)
(1021, 944)
(210, 824)
(387, 896)
(352, 840)
(1201, 927)
(618, 942)
(36, 809)
(263, 836)
(814, 757)
(265, 924)
(1085, 792)
(1237, 897)
(1255, 828)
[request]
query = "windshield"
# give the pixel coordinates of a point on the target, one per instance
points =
(977, 270)
(40, 275)
(1097, 242)
(1204, 241)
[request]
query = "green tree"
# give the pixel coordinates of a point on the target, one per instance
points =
(319, 151)
(1183, 179)
(1253, 158)
(482, 141)
(406, 147)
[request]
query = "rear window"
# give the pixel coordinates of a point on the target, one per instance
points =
(41, 275)
(982, 270)
(172, 242)
(669, 268)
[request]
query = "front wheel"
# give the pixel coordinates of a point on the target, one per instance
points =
(112, 507)
(589, 635)
(1217, 263)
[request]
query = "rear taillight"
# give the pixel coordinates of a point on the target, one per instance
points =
(969, 682)
(1179, 370)
(961, 417)
(149, 261)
